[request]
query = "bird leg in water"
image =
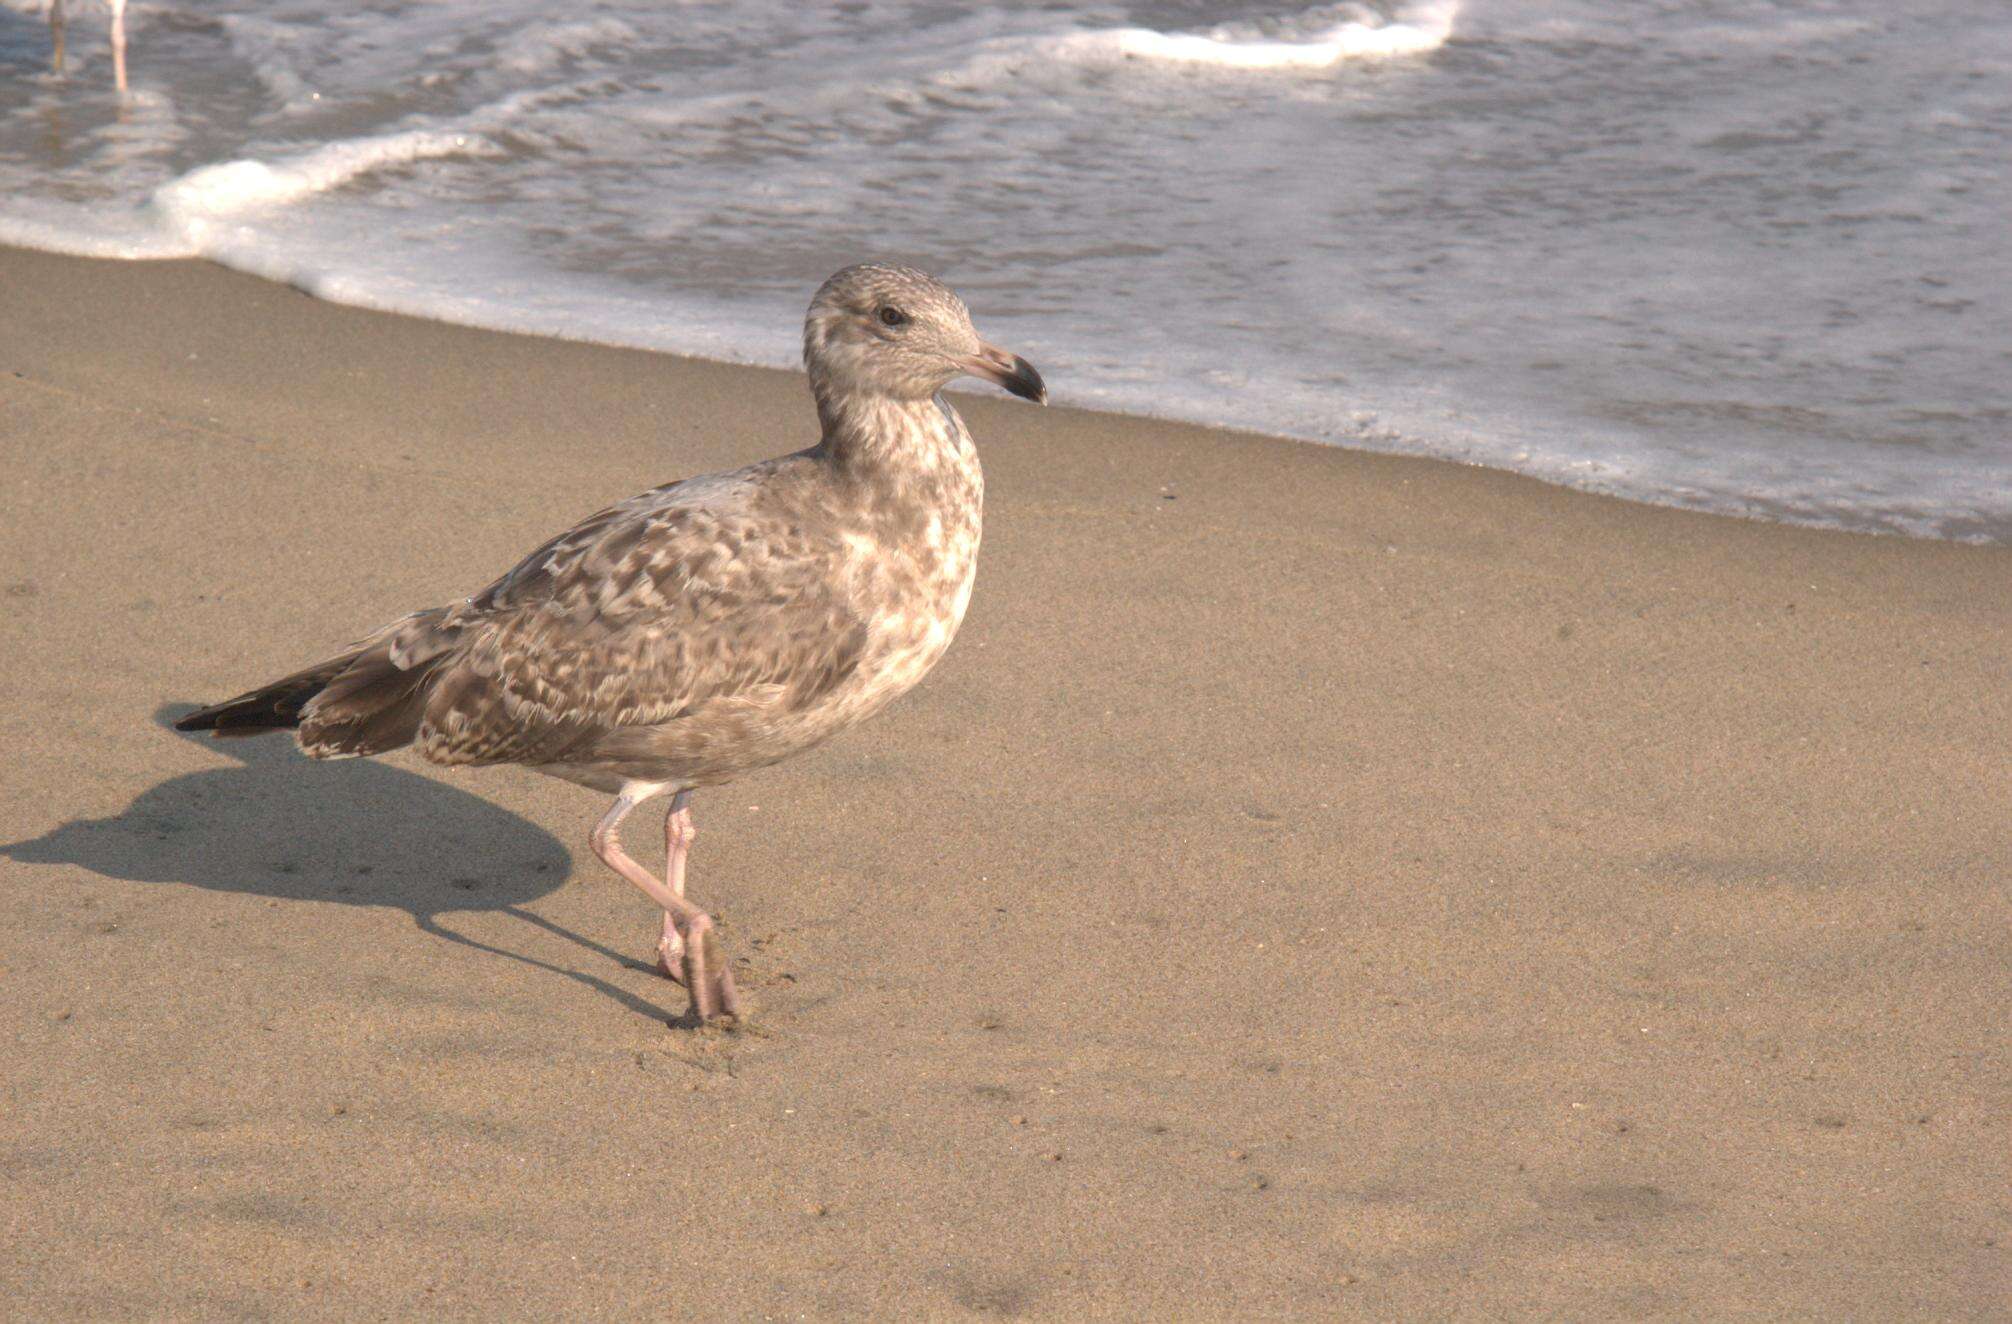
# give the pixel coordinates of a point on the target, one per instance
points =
(707, 977)
(119, 44)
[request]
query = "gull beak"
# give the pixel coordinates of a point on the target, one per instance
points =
(1008, 370)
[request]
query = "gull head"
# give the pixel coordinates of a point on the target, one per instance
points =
(893, 331)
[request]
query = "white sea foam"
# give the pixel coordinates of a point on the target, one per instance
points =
(194, 204)
(537, 49)
(1421, 28)
(33, 223)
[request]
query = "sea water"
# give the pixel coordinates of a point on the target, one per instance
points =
(1737, 255)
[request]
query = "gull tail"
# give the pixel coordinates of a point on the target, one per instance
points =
(274, 707)
(358, 702)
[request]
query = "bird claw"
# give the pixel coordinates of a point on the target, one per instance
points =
(709, 979)
(699, 964)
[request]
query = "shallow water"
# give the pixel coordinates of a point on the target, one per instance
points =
(1744, 256)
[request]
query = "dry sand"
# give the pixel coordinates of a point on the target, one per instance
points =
(1314, 885)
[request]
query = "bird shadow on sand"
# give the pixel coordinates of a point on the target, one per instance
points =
(277, 824)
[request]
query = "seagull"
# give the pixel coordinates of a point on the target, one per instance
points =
(56, 23)
(707, 627)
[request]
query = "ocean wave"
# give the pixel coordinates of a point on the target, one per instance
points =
(1317, 39)
(269, 49)
(191, 205)
(536, 49)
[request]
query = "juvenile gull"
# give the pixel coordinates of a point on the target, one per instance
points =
(707, 627)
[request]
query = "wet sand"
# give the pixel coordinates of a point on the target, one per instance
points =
(1314, 885)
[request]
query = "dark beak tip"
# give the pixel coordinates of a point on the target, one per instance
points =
(1026, 382)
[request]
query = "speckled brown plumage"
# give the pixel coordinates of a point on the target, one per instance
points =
(708, 627)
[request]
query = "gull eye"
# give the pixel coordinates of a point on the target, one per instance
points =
(892, 316)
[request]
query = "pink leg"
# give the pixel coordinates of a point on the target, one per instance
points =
(705, 969)
(678, 835)
(119, 44)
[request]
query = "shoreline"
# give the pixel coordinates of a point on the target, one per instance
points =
(1316, 882)
(1377, 438)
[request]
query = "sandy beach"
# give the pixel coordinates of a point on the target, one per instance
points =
(1315, 884)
